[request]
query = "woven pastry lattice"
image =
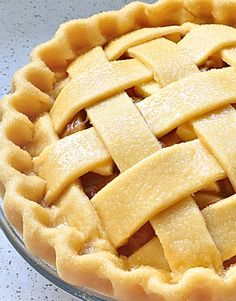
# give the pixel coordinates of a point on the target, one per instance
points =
(142, 98)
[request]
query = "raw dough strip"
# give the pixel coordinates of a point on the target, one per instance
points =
(221, 222)
(207, 40)
(66, 160)
(123, 131)
(117, 120)
(188, 165)
(229, 56)
(167, 61)
(147, 89)
(96, 84)
(151, 254)
(188, 98)
(73, 208)
(119, 46)
(185, 238)
(95, 57)
(217, 131)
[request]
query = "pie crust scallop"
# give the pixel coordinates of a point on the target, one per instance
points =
(66, 243)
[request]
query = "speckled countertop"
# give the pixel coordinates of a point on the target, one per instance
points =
(23, 25)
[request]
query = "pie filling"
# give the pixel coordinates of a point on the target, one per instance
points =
(78, 123)
(139, 143)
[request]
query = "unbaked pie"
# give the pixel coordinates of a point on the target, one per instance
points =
(118, 156)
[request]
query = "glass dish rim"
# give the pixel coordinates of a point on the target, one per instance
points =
(47, 271)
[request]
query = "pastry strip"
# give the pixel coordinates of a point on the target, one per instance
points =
(147, 89)
(167, 61)
(123, 130)
(229, 56)
(185, 238)
(188, 98)
(66, 160)
(217, 131)
(86, 88)
(206, 40)
(151, 254)
(119, 46)
(95, 57)
(155, 184)
(221, 222)
(73, 208)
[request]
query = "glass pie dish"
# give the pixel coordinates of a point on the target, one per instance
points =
(43, 268)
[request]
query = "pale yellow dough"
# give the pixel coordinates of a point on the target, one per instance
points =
(139, 74)
(85, 89)
(206, 40)
(218, 131)
(188, 98)
(220, 220)
(119, 46)
(147, 89)
(189, 166)
(178, 229)
(149, 255)
(123, 131)
(168, 62)
(66, 160)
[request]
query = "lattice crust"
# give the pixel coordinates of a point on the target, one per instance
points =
(93, 65)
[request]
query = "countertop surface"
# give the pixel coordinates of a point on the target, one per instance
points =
(23, 25)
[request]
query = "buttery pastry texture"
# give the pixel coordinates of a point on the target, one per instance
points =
(118, 152)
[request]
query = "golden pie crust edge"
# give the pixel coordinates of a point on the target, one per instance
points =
(102, 271)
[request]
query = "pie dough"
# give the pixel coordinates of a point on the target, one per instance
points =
(117, 152)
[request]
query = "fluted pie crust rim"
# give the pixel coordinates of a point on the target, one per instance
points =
(103, 270)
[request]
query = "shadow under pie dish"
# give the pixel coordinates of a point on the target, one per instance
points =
(118, 154)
